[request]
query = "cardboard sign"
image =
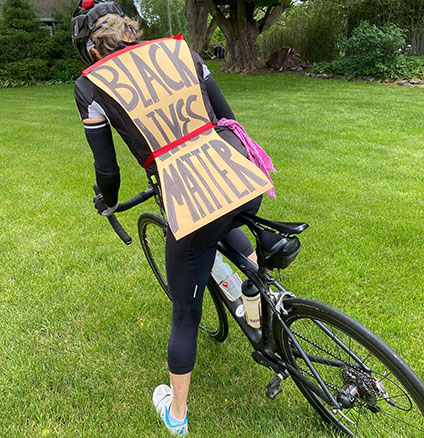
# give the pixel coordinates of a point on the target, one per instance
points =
(202, 176)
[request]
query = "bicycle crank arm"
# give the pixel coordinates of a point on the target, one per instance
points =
(285, 370)
(272, 362)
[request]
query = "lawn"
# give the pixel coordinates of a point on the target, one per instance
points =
(83, 325)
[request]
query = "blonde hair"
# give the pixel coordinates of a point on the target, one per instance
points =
(113, 29)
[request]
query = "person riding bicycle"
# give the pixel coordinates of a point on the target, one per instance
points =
(100, 29)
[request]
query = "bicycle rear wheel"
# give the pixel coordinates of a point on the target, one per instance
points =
(386, 397)
(152, 230)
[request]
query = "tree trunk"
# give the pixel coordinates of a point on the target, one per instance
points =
(241, 30)
(241, 54)
(168, 13)
(197, 23)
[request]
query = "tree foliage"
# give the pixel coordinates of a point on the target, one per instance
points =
(372, 51)
(154, 20)
(325, 30)
(29, 53)
(407, 14)
(129, 8)
(21, 37)
(20, 31)
(313, 29)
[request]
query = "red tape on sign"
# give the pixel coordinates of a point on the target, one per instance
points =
(177, 142)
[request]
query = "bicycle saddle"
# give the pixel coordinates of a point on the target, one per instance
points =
(288, 228)
(276, 245)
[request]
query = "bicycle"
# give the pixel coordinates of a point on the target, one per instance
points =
(355, 381)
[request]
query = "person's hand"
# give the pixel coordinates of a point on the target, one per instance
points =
(102, 208)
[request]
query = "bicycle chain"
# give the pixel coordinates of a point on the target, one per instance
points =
(308, 372)
(369, 402)
(321, 348)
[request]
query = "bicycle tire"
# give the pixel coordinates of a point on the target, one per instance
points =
(394, 409)
(152, 230)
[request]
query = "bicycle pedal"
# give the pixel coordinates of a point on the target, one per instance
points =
(273, 388)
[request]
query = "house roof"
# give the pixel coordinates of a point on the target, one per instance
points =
(43, 8)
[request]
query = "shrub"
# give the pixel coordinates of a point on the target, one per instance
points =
(370, 51)
(25, 70)
(29, 53)
(66, 70)
(380, 44)
(410, 66)
(351, 67)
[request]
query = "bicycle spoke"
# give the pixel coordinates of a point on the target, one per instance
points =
(381, 405)
(364, 414)
(420, 429)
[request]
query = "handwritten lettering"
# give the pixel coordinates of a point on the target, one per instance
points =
(188, 76)
(156, 84)
(117, 87)
(153, 52)
(120, 64)
(171, 178)
(198, 192)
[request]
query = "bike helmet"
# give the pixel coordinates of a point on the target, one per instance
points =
(83, 20)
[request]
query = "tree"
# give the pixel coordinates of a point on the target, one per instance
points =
(24, 42)
(155, 18)
(411, 18)
(241, 23)
(20, 15)
(200, 28)
(409, 15)
(168, 14)
(129, 8)
(66, 63)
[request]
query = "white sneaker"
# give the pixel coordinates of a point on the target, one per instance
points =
(162, 399)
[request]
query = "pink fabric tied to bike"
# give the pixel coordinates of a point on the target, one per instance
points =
(254, 152)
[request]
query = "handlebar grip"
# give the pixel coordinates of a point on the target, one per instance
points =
(137, 199)
(119, 230)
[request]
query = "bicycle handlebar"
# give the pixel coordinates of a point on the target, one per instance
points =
(113, 220)
(137, 199)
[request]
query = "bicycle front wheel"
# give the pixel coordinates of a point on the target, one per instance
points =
(381, 395)
(152, 230)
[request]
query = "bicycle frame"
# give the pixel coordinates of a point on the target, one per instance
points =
(278, 348)
(262, 339)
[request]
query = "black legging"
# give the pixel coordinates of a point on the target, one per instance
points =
(188, 264)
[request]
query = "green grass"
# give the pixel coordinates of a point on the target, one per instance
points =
(83, 325)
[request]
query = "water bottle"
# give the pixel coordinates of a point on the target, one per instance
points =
(228, 280)
(252, 303)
